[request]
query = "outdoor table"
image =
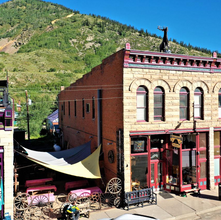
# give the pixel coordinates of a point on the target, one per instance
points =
(89, 190)
(40, 188)
(37, 182)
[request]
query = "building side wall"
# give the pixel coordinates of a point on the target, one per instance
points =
(172, 82)
(78, 130)
(6, 141)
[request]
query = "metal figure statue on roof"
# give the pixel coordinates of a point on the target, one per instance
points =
(164, 46)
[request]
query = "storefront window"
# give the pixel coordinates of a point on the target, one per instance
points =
(189, 167)
(152, 173)
(217, 151)
(202, 154)
(216, 138)
(216, 167)
(139, 169)
(217, 157)
(203, 170)
(160, 170)
(173, 166)
(156, 155)
(202, 139)
(156, 141)
(189, 141)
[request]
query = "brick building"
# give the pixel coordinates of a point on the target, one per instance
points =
(157, 116)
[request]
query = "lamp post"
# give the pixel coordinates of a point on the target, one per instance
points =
(27, 114)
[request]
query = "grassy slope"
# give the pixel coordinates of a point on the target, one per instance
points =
(56, 46)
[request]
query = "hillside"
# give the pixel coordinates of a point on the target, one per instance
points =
(44, 46)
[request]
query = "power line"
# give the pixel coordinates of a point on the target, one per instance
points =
(74, 86)
(69, 100)
(72, 90)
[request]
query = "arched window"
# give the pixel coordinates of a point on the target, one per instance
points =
(159, 104)
(142, 104)
(198, 103)
(219, 99)
(184, 104)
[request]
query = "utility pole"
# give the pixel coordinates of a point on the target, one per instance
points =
(27, 114)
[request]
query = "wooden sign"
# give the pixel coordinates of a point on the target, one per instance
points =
(176, 140)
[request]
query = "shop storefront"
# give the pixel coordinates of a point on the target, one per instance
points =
(173, 162)
(217, 157)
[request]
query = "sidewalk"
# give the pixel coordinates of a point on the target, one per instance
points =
(169, 206)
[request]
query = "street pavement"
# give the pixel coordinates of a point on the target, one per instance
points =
(169, 207)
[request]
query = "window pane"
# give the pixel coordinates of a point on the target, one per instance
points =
(155, 155)
(183, 100)
(189, 141)
(216, 167)
(152, 174)
(141, 89)
(217, 138)
(183, 90)
(219, 99)
(217, 151)
(197, 100)
(141, 114)
(160, 171)
(183, 113)
(188, 158)
(141, 100)
(203, 170)
(220, 112)
(189, 167)
(202, 138)
(203, 154)
(197, 90)
(158, 111)
(139, 169)
(197, 112)
(156, 141)
(158, 100)
(158, 89)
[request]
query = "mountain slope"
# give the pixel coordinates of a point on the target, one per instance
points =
(44, 46)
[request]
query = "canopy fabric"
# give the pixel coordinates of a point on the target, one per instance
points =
(61, 158)
(53, 116)
(87, 168)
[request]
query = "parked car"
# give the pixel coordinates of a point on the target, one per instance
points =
(131, 217)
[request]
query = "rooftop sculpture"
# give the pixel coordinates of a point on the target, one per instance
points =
(164, 46)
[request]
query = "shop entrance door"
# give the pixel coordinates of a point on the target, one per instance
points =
(156, 175)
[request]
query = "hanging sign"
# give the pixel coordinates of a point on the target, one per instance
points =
(176, 140)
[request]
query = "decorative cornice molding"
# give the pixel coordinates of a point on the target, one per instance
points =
(167, 61)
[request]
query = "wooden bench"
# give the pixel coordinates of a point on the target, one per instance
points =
(76, 184)
(147, 195)
(37, 182)
(131, 198)
(139, 197)
(193, 190)
(41, 188)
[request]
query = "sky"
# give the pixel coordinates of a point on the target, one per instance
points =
(192, 21)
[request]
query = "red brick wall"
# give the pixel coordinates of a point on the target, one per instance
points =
(78, 130)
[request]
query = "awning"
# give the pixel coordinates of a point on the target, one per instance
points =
(61, 158)
(87, 167)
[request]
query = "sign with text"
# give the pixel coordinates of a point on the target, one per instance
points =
(176, 140)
